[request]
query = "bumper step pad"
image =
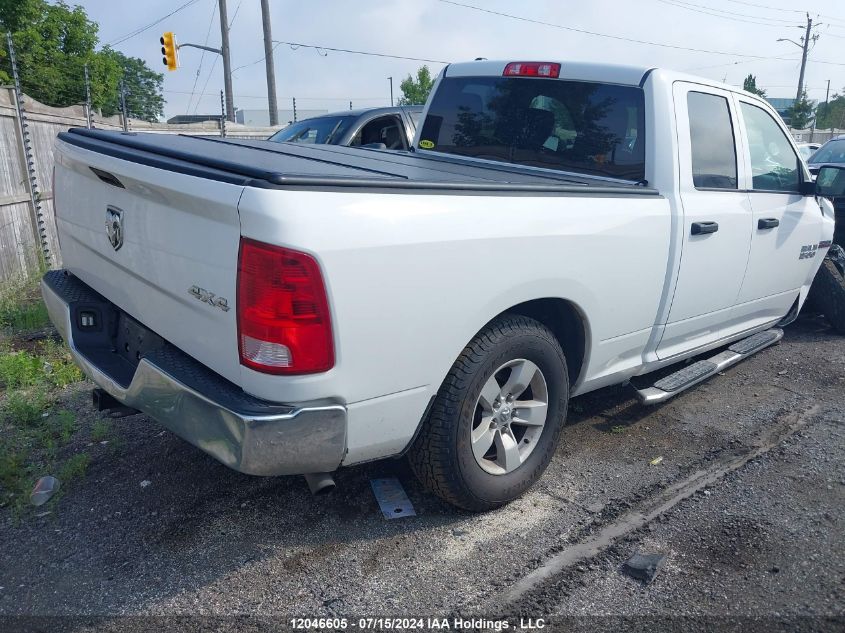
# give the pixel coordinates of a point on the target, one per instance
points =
(695, 373)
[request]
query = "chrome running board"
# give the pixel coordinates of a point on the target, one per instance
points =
(683, 379)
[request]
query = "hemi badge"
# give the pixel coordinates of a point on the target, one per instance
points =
(825, 244)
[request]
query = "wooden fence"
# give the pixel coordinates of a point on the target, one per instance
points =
(20, 242)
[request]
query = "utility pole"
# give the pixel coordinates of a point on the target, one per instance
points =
(294, 109)
(268, 58)
(391, 91)
(804, 45)
(827, 105)
(804, 58)
(227, 63)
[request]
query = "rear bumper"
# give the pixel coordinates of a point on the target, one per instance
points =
(245, 433)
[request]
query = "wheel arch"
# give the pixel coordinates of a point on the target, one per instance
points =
(564, 318)
(569, 325)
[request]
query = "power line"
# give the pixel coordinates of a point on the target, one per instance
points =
(744, 61)
(202, 57)
(621, 38)
(801, 11)
(597, 34)
(296, 45)
(128, 36)
(238, 8)
(207, 79)
(729, 15)
(298, 98)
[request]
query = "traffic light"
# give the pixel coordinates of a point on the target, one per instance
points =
(169, 51)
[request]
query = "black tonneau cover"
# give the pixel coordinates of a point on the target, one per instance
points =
(267, 164)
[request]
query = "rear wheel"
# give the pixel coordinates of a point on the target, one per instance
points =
(496, 419)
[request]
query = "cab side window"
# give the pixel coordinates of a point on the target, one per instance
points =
(774, 164)
(712, 142)
(385, 129)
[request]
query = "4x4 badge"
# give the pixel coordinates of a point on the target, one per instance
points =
(114, 227)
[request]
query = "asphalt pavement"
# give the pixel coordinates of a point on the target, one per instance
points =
(740, 482)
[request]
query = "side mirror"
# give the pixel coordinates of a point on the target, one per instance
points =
(830, 181)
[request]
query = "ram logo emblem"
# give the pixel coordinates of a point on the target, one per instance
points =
(114, 227)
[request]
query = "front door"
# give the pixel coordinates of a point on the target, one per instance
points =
(716, 219)
(786, 226)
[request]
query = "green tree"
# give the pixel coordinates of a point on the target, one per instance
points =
(801, 113)
(832, 114)
(143, 86)
(53, 42)
(416, 91)
(750, 85)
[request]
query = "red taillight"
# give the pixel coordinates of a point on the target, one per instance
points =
(532, 69)
(284, 325)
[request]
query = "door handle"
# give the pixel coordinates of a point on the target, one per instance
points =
(702, 228)
(768, 223)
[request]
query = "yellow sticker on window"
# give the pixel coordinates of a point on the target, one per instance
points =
(427, 144)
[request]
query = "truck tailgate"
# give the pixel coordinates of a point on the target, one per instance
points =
(172, 264)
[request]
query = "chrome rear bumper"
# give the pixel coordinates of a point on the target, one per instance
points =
(247, 434)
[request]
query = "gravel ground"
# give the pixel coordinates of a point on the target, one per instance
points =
(201, 539)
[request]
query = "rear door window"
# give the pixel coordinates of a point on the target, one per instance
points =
(578, 126)
(711, 141)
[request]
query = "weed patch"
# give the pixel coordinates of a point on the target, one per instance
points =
(100, 430)
(21, 307)
(24, 408)
(74, 468)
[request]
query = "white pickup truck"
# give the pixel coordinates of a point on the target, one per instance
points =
(558, 228)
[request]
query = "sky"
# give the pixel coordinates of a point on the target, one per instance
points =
(729, 34)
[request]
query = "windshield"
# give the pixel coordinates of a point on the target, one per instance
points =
(577, 126)
(320, 130)
(805, 151)
(830, 152)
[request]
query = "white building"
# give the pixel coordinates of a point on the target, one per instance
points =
(261, 118)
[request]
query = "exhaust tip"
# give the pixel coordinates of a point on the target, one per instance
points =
(320, 483)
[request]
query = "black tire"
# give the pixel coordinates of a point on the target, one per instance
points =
(442, 456)
(828, 291)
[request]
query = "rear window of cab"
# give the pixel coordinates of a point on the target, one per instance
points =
(575, 126)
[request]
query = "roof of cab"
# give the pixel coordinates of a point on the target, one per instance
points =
(576, 71)
(591, 71)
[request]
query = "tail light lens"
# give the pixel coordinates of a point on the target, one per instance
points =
(284, 326)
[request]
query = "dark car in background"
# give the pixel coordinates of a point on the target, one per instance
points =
(393, 127)
(832, 153)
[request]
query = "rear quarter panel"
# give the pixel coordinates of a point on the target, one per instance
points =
(412, 277)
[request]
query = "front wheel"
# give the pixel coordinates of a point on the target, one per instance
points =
(828, 290)
(496, 419)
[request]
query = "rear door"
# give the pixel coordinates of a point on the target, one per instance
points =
(786, 226)
(716, 219)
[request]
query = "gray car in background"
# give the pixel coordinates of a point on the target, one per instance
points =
(393, 128)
